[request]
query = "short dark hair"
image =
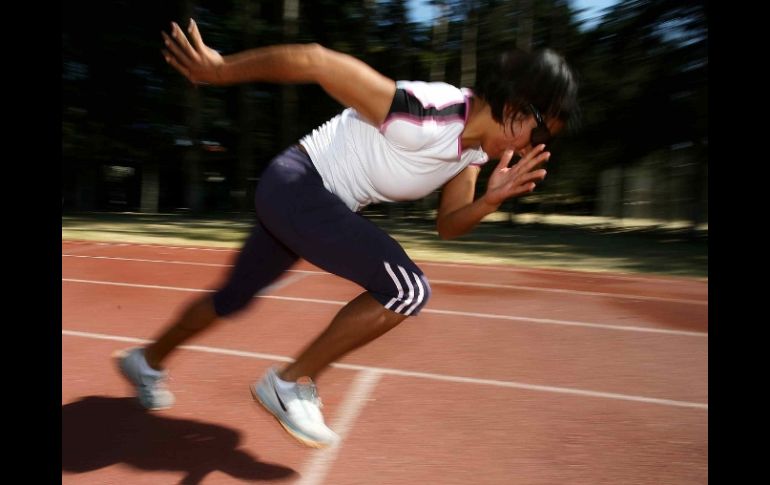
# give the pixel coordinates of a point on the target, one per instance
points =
(541, 78)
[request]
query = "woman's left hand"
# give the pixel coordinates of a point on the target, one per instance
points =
(506, 182)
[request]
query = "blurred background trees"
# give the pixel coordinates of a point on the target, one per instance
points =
(136, 136)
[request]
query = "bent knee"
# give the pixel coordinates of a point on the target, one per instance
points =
(405, 291)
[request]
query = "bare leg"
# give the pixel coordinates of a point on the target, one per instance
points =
(358, 323)
(196, 317)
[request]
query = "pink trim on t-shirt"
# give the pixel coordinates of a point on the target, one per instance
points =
(468, 96)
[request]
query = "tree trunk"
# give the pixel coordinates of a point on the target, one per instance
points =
(246, 115)
(192, 158)
(289, 93)
(468, 55)
(526, 25)
(150, 188)
(699, 189)
(620, 209)
(440, 28)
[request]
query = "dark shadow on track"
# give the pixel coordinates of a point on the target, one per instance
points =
(100, 431)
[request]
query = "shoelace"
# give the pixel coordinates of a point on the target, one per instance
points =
(310, 393)
(157, 382)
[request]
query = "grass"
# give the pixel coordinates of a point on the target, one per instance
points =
(590, 244)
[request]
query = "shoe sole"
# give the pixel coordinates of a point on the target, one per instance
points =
(118, 357)
(302, 439)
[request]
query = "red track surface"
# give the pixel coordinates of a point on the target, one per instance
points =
(509, 376)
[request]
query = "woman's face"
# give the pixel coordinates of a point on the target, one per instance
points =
(518, 138)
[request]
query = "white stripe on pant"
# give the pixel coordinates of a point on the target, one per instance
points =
(410, 303)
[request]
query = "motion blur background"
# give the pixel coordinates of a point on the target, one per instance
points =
(138, 138)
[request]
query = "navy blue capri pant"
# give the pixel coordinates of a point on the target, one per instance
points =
(298, 217)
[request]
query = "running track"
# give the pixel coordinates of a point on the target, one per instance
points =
(508, 376)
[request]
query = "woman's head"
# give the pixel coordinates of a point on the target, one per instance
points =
(538, 86)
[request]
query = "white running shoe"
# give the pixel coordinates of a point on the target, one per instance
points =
(298, 410)
(148, 382)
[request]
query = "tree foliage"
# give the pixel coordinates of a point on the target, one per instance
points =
(643, 74)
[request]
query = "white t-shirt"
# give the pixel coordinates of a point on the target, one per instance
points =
(416, 150)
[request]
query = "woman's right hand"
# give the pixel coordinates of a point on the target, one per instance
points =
(197, 62)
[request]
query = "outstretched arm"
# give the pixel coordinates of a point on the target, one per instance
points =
(458, 213)
(347, 79)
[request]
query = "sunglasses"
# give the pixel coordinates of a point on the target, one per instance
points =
(540, 134)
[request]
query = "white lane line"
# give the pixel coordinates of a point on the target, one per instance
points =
(512, 269)
(141, 260)
(449, 282)
(421, 375)
(134, 245)
(494, 316)
(575, 273)
(318, 466)
(282, 283)
(168, 261)
(73, 251)
(574, 292)
(135, 285)
(548, 321)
